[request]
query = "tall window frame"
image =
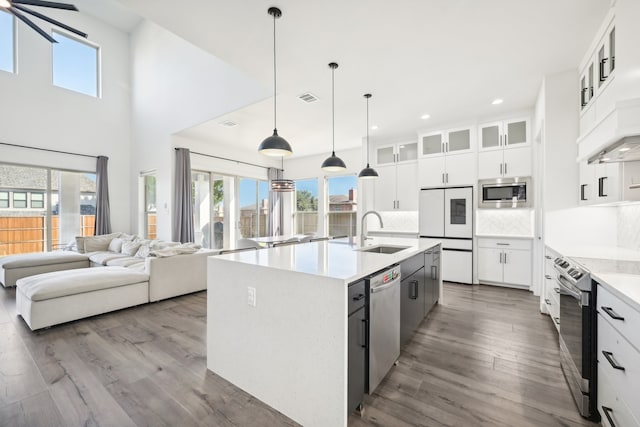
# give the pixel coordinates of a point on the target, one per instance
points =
(9, 61)
(341, 212)
(66, 41)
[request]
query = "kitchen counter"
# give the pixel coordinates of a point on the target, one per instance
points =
(277, 322)
(505, 236)
(336, 259)
(615, 268)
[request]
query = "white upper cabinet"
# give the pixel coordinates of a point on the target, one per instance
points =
(440, 143)
(397, 185)
(504, 134)
(396, 153)
(608, 183)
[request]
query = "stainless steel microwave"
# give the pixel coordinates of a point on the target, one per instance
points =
(505, 193)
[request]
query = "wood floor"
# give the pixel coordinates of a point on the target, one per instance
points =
(486, 358)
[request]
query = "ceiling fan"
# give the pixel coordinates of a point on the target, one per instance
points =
(16, 7)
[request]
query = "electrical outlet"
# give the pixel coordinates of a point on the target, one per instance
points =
(251, 296)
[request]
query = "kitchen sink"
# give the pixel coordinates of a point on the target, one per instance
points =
(383, 249)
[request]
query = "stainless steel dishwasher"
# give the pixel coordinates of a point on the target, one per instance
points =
(384, 323)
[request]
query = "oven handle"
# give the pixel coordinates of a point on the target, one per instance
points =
(568, 288)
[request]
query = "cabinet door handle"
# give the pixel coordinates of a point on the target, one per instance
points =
(505, 168)
(606, 411)
(500, 257)
(557, 320)
(547, 301)
(557, 290)
(446, 175)
(612, 314)
(583, 187)
(505, 257)
(583, 96)
(443, 178)
(434, 272)
(602, 68)
(365, 333)
(500, 169)
(548, 257)
(609, 356)
(546, 276)
(414, 289)
(601, 186)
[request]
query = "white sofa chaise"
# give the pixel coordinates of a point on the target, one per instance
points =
(14, 267)
(51, 298)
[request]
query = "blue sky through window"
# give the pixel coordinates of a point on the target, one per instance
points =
(6, 42)
(342, 184)
(75, 65)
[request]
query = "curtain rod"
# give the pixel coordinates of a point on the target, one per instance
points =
(230, 160)
(48, 150)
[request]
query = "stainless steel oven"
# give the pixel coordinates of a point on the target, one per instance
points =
(505, 193)
(578, 334)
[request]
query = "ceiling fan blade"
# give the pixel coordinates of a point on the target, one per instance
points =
(27, 21)
(42, 3)
(50, 20)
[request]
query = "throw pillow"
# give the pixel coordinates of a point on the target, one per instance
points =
(143, 251)
(116, 245)
(128, 237)
(130, 248)
(80, 244)
(97, 243)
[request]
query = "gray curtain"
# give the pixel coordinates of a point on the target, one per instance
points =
(103, 211)
(276, 212)
(183, 207)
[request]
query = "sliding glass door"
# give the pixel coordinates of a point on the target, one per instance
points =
(212, 194)
(43, 209)
(253, 207)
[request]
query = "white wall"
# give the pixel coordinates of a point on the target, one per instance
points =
(36, 113)
(176, 86)
(628, 221)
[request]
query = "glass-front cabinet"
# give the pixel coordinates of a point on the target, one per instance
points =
(504, 134)
(396, 153)
(440, 143)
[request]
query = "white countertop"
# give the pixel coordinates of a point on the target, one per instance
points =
(337, 259)
(613, 267)
(506, 236)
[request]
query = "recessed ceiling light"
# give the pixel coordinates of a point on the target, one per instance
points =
(425, 116)
(374, 127)
(623, 149)
(497, 102)
(606, 159)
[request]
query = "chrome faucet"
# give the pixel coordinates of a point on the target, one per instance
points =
(363, 235)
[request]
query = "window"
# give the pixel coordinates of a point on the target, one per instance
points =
(254, 207)
(75, 65)
(306, 211)
(212, 221)
(37, 200)
(4, 199)
(72, 211)
(7, 42)
(150, 210)
(19, 200)
(342, 202)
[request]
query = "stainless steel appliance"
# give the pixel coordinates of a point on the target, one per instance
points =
(384, 323)
(447, 214)
(505, 193)
(578, 333)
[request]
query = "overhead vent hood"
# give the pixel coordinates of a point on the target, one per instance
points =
(626, 149)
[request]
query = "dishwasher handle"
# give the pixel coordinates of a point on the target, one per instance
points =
(385, 286)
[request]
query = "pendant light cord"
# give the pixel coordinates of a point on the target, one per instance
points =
(368, 129)
(275, 117)
(333, 110)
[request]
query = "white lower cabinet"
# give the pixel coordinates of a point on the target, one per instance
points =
(504, 261)
(551, 292)
(618, 361)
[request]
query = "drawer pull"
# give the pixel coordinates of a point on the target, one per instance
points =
(606, 411)
(612, 313)
(557, 290)
(547, 301)
(546, 276)
(358, 297)
(503, 244)
(557, 320)
(548, 257)
(609, 356)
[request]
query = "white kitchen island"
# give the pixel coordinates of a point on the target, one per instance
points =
(288, 347)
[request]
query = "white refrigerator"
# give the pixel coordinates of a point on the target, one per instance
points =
(447, 214)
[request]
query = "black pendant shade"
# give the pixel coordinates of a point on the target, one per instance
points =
(275, 145)
(16, 8)
(333, 163)
(368, 172)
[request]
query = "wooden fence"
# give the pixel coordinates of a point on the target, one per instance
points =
(19, 235)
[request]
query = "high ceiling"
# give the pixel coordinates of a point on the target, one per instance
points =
(445, 58)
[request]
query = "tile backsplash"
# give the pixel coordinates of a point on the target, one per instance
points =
(395, 221)
(508, 222)
(628, 222)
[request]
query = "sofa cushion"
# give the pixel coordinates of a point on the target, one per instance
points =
(143, 251)
(40, 258)
(125, 261)
(116, 245)
(71, 282)
(130, 248)
(97, 243)
(104, 257)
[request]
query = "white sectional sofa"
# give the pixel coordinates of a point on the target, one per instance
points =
(107, 277)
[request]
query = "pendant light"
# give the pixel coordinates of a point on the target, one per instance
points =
(275, 145)
(333, 163)
(281, 185)
(368, 172)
